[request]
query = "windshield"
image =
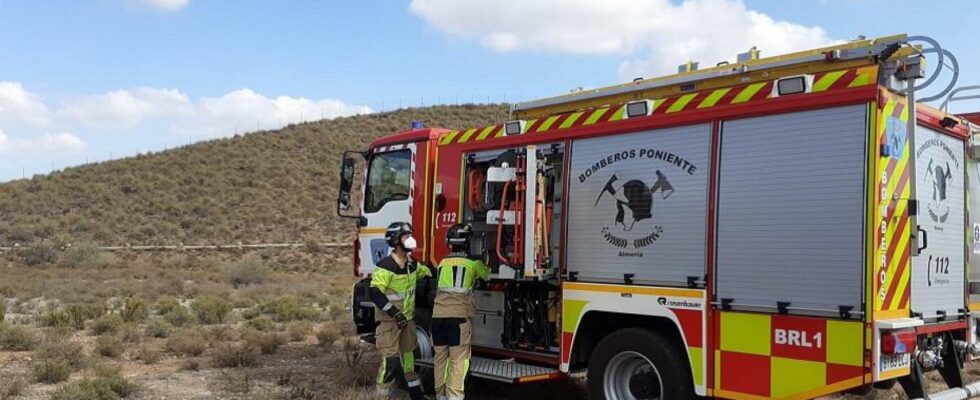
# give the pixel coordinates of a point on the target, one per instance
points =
(388, 179)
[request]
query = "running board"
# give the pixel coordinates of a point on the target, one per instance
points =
(505, 371)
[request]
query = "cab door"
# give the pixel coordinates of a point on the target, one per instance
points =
(938, 270)
(388, 195)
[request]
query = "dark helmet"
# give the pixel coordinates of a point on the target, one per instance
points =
(458, 237)
(393, 234)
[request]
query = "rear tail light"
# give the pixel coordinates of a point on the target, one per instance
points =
(898, 342)
(357, 256)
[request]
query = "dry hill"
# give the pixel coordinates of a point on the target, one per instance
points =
(269, 186)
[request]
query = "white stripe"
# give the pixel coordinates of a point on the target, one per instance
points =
(394, 297)
(415, 383)
(454, 290)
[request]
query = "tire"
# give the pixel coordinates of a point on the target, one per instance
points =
(637, 364)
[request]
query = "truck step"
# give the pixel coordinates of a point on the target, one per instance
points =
(505, 371)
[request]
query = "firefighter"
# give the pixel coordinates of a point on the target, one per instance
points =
(453, 311)
(393, 293)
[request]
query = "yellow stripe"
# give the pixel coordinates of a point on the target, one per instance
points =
(466, 135)
(618, 115)
(828, 389)
(655, 291)
(736, 395)
(371, 231)
(570, 120)
(595, 116)
(656, 104)
(547, 123)
(527, 124)
(681, 102)
(863, 77)
(714, 97)
(447, 137)
(500, 132)
(486, 132)
(827, 80)
(893, 373)
(748, 92)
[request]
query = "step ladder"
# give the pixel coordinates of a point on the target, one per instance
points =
(504, 370)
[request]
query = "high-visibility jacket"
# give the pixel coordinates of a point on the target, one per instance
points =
(398, 284)
(457, 274)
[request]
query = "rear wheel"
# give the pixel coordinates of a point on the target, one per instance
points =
(638, 364)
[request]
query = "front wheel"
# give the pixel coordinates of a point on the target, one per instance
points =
(638, 364)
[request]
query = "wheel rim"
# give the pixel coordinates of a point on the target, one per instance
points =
(424, 348)
(631, 376)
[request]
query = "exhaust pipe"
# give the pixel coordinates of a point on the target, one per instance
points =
(966, 392)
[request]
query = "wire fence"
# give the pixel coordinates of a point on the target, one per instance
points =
(181, 247)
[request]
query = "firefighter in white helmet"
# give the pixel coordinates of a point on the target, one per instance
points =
(392, 290)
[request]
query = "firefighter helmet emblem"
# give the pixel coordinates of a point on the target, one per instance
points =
(634, 196)
(941, 178)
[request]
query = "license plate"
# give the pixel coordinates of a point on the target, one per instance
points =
(889, 362)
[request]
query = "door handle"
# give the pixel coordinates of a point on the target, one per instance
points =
(925, 238)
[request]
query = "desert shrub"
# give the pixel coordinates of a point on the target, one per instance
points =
(327, 335)
(211, 310)
(17, 338)
(12, 386)
(158, 328)
(56, 319)
(70, 353)
(135, 309)
(250, 270)
(265, 342)
(288, 308)
(51, 371)
(167, 304)
(299, 330)
(148, 354)
(41, 253)
(111, 346)
(355, 371)
(83, 255)
(3, 309)
(234, 355)
(131, 333)
(107, 384)
(261, 323)
(179, 316)
(80, 313)
(187, 343)
(107, 324)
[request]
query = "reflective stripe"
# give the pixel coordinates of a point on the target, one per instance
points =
(454, 290)
(415, 383)
(387, 307)
(394, 297)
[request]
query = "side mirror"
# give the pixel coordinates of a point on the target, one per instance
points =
(346, 183)
(348, 172)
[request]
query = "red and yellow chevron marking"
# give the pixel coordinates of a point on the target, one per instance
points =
(738, 95)
(892, 236)
(786, 357)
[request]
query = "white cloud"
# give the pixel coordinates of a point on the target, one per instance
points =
(166, 5)
(123, 109)
(46, 144)
(241, 110)
(19, 106)
(657, 35)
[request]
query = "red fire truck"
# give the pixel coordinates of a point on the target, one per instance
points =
(785, 227)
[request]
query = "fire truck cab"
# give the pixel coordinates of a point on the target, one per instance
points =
(785, 227)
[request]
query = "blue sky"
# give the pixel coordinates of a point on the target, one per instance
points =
(88, 80)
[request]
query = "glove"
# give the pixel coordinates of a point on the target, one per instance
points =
(400, 320)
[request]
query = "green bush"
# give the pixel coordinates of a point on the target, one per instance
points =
(57, 319)
(211, 310)
(167, 304)
(261, 323)
(250, 270)
(109, 346)
(148, 354)
(234, 355)
(3, 309)
(54, 349)
(107, 384)
(288, 308)
(187, 343)
(158, 329)
(135, 309)
(83, 255)
(80, 313)
(17, 338)
(179, 316)
(42, 253)
(107, 324)
(51, 371)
